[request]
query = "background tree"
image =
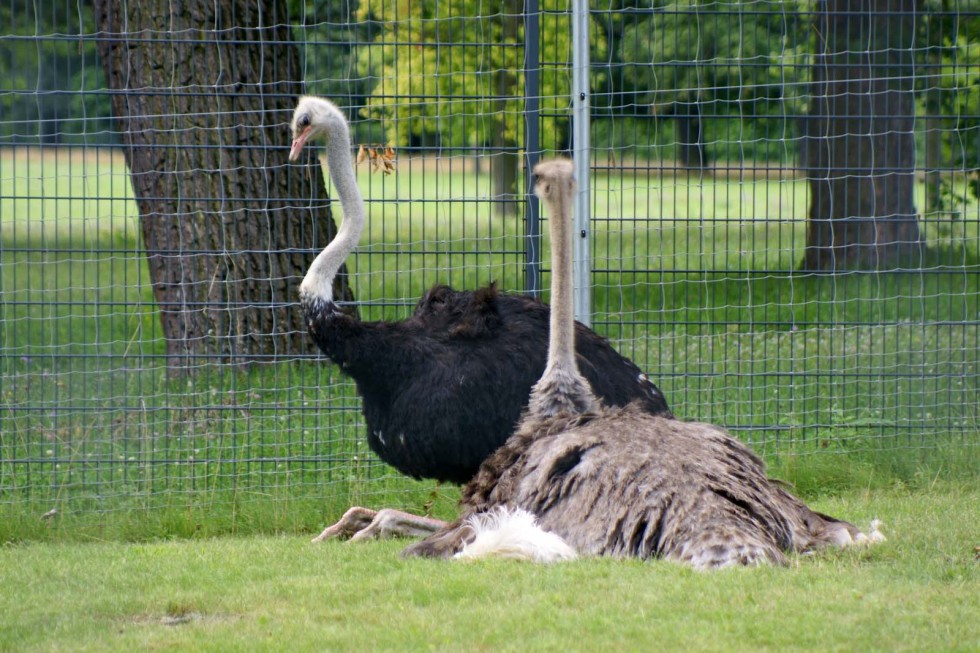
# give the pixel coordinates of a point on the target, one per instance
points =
(328, 35)
(435, 88)
(205, 90)
(60, 66)
(859, 149)
(711, 64)
(949, 88)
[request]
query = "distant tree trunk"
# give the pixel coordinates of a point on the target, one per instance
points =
(505, 160)
(503, 174)
(690, 137)
(205, 90)
(934, 152)
(860, 152)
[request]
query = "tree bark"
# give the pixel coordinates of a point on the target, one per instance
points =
(505, 161)
(503, 173)
(203, 93)
(859, 150)
(934, 153)
(691, 152)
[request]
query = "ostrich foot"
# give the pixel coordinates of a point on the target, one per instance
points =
(354, 520)
(363, 524)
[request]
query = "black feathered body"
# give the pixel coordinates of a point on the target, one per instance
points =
(623, 483)
(446, 387)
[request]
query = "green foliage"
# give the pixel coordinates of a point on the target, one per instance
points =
(53, 82)
(328, 37)
(451, 73)
(719, 53)
(951, 92)
(741, 68)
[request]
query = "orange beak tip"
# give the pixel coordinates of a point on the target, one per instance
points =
(298, 144)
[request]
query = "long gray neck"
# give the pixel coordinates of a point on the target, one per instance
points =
(562, 389)
(561, 344)
(318, 283)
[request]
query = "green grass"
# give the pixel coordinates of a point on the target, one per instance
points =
(860, 372)
(919, 591)
(67, 197)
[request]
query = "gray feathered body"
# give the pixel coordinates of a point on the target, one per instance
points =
(620, 482)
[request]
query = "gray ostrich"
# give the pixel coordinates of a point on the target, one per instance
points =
(601, 480)
(444, 388)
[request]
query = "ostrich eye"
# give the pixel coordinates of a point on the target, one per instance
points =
(304, 120)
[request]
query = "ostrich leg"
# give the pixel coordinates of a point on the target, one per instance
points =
(364, 523)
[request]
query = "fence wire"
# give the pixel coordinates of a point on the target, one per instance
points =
(703, 122)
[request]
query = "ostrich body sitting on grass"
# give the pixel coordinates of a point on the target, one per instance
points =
(444, 388)
(609, 480)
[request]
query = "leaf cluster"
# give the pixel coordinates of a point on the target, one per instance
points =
(453, 73)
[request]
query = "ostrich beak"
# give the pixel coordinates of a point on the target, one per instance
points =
(298, 144)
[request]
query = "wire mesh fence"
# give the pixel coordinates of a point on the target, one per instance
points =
(783, 198)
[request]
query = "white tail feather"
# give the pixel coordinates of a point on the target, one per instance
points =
(873, 536)
(513, 533)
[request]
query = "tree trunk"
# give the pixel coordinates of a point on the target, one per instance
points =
(934, 154)
(505, 161)
(860, 151)
(503, 173)
(203, 95)
(690, 139)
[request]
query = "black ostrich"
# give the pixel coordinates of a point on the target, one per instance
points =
(580, 477)
(444, 388)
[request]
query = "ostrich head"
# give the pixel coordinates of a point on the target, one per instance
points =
(555, 182)
(315, 118)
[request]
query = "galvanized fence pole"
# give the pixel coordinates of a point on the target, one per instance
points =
(581, 155)
(532, 147)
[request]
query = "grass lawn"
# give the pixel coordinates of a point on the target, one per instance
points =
(919, 591)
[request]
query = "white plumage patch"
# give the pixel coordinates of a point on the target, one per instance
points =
(514, 533)
(873, 536)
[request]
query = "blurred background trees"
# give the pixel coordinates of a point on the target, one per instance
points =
(686, 83)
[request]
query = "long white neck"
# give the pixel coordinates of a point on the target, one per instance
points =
(561, 389)
(318, 283)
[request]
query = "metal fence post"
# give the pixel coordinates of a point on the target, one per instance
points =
(580, 154)
(532, 147)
